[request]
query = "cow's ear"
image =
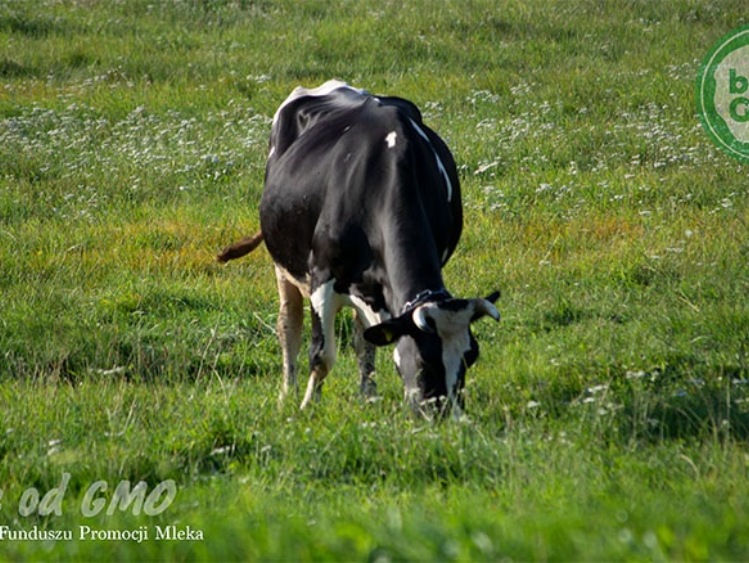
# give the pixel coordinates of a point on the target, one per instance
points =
(388, 331)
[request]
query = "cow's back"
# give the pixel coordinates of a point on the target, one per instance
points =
(340, 164)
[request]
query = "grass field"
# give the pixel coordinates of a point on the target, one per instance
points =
(609, 412)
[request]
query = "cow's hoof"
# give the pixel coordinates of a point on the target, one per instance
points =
(369, 391)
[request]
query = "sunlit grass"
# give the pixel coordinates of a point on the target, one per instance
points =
(608, 413)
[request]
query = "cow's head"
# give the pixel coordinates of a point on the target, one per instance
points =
(434, 349)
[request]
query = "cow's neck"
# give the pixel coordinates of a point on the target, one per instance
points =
(412, 267)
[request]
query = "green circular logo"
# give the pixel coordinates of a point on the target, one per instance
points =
(723, 93)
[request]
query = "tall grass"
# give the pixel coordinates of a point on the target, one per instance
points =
(609, 412)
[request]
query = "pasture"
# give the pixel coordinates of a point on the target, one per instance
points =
(609, 410)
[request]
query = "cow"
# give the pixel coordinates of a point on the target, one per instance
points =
(361, 207)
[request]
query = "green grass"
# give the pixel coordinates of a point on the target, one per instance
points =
(609, 412)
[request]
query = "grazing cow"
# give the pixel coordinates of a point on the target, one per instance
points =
(362, 208)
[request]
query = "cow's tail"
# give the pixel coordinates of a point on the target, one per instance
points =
(241, 248)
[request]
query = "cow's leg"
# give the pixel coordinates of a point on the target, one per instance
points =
(365, 354)
(325, 305)
(289, 329)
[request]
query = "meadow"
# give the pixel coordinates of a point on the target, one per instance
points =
(609, 410)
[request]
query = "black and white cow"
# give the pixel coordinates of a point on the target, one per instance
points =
(361, 208)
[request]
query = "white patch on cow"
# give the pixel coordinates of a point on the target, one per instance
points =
(321, 298)
(440, 166)
(452, 328)
(369, 316)
(397, 358)
(420, 131)
(445, 256)
(453, 350)
(390, 139)
(323, 90)
(326, 303)
(271, 151)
